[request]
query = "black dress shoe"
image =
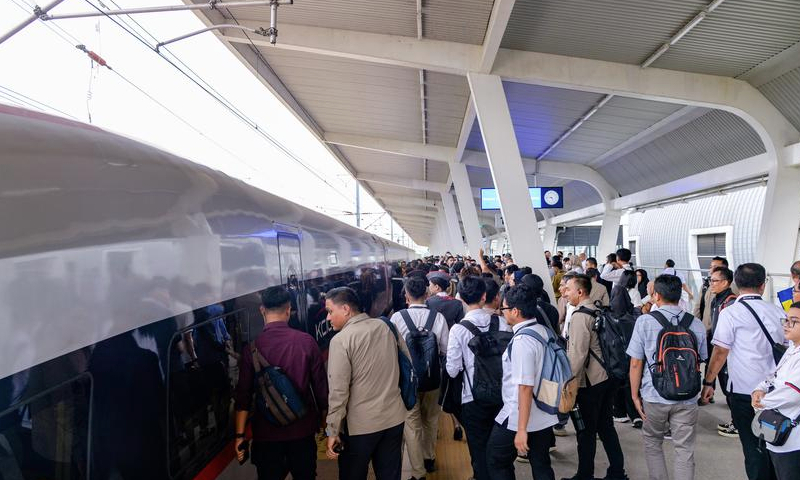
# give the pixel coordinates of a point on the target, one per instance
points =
(458, 434)
(430, 465)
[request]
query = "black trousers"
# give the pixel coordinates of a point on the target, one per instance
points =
(384, 449)
(757, 464)
(623, 402)
(501, 453)
(478, 420)
(273, 460)
(787, 465)
(595, 403)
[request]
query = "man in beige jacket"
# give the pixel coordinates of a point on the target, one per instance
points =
(365, 409)
(596, 392)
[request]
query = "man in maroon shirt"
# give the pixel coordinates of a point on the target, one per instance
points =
(280, 449)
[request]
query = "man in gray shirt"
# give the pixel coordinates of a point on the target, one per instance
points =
(659, 414)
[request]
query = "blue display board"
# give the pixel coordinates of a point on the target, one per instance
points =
(541, 197)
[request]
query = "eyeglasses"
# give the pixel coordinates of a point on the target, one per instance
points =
(505, 308)
(790, 322)
(717, 280)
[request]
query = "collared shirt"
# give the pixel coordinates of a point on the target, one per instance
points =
(644, 346)
(419, 315)
(580, 340)
(783, 389)
(569, 311)
(523, 367)
(298, 355)
(610, 274)
(363, 378)
(460, 356)
(750, 352)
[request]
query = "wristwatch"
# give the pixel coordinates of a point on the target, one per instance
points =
(708, 384)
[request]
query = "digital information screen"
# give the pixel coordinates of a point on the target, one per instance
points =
(541, 197)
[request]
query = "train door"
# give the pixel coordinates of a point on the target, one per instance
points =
(292, 276)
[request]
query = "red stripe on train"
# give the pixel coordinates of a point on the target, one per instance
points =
(217, 464)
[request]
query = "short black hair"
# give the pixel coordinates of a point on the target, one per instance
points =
(726, 273)
(416, 287)
(526, 270)
(471, 289)
(592, 273)
(669, 287)
(344, 296)
(583, 282)
(556, 262)
(628, 279)
(721, 259)
(492, 288)
(670, 263)
(795, 269)
(750, 275)
(623, 254)
(535, 282)
(510, 269)
(522, 297)
(440, 282)
(591, 260)
(275, 298)
(611, 257)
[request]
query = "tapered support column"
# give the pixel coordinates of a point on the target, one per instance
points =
(453, 229)
(508, 174)
(780, 221)
(549, 240)
(608, 234)
(466, 205)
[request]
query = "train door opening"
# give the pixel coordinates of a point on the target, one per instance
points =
(291, 268)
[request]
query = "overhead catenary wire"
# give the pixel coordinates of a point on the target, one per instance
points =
(37, 105)
(223, 101)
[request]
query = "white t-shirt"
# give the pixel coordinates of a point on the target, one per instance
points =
(523, 367)
(419, 315)
(750, 356)
(785, 395)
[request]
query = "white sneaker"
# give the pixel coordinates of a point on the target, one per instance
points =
(622, 419)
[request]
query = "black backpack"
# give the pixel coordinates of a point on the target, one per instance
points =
(676, 367)
(424, 349)
(488, 348)
(614, 334)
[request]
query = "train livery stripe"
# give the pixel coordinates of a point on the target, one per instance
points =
(217, 464)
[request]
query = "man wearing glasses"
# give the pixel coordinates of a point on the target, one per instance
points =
(722, 296)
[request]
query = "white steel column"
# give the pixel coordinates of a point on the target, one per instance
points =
(508, 174)
(549, 240)
(451, 217)
(780, 221)
(469, 214)
(608, 234)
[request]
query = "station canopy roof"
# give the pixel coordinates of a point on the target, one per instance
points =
(383, 83)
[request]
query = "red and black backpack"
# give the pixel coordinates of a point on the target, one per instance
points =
(676, 367)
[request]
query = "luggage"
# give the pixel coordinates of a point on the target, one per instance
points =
(276, 396)
(408, 378)
(614, 334)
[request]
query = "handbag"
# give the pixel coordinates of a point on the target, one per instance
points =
(773, 427)
(408, 378)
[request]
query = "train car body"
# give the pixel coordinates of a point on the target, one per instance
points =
(128, 282)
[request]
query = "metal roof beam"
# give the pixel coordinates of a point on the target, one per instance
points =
(411, 211)
(395, 147)
(396, 200)
(501, 13)
(410, 183)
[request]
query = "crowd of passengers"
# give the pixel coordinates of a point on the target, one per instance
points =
(477, 335)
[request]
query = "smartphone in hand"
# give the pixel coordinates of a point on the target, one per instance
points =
(244, 447)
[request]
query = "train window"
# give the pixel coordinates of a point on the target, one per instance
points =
(202, 375)
(47, 436)
(292, 276)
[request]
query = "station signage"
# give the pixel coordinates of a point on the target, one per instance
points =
(541, 197)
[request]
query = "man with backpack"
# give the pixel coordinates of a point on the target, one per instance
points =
(475, 347)
(277, 448)
(521, 427)
(666, 350)
(425, 332)
(596, 392)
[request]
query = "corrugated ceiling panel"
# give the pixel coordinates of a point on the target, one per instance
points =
(616, 122)
(540, 115)
(393, 17)
(784, 93)
(736, 37)
(368, 161)
(463, 21)
(713, 140)
(383, 189)
(348, 96)
(446, 99)
(612, 30)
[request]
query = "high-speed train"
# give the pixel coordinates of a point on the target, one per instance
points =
(129, 283)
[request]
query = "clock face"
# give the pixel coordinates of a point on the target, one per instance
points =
(551, 197)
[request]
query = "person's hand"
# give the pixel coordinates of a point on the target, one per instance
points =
(637, 402)
(332, 442)
(239, 453)
(707, 395)
(756, 398)
(480, 253)
(521, 442)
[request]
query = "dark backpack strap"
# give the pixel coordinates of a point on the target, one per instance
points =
(409, 323)
(587, 311)
(494, 323)
(470, 326)
(431, 319)
(660, 318)
(686, 321)
(545, 319)
(760, 323)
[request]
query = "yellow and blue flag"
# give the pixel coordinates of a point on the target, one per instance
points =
(785, 297)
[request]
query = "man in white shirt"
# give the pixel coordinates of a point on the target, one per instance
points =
(612, 271)
(740, 340)
(423, 420)
(477, 418)
(521, 428)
